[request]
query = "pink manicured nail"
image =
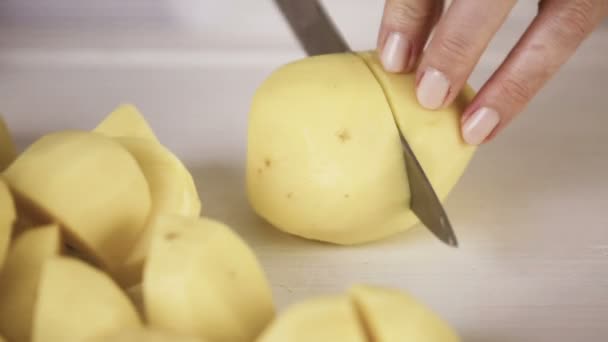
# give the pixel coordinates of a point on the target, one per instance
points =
(479, 125)
(395, 52)
(432, 89)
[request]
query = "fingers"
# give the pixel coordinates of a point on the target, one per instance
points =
(550, 40)
(459, 40)
(406, 25)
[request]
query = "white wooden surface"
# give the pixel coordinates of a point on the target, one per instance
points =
(530, 211)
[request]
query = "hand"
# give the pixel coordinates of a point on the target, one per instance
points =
(463, 33)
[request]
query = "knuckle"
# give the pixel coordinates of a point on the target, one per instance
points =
(575, 21)
(515, 90)
(455, 48)
(408, 12)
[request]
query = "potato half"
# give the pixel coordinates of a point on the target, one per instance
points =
(172, 192)
(8, 217)
(324, 159)
(126, 121)
(320, 319)
(202, 279)
(20, 279)
(77, 301)
(91, 185)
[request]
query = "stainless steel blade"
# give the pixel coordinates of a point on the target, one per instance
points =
(312, 26)
(424, 201)
(318, 35)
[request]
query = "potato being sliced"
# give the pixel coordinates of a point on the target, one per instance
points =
(202, 279)
(126, 121)
(8, 151)
(391, 315)
(77, 301)
(321, 319)
(144, 335)
(91, 185)
(7, 218)
(172, 191)
(20, 278)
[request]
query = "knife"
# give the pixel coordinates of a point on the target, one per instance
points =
(318, 35)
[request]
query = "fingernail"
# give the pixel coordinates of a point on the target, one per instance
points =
(395, 52)
(432, 89)
(479, 125)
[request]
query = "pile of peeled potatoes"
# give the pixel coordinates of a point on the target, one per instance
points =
(103, 236)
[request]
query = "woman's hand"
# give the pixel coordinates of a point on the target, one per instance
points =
(463, 33)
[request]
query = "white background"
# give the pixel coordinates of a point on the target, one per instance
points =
(530, 211)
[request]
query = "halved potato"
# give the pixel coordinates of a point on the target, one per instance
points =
(324, 318)
(8, 151)
(91, 185)
(7, 219)
(144, 335)
(126, 121)
(20, 278)
(77, 301)
(391, 315)
(172, 190)
(202, 279)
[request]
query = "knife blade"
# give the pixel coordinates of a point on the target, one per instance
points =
(318, 35)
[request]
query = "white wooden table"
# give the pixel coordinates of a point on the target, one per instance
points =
(531, 211)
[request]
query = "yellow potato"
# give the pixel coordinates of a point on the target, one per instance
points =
(324, 156)
(143, 335)
(7, 219)
(324, 159)
(2, 339)
(8, 151)
(172, 190)
(321, 319)
(202, 279)
(392, 316)
(20, 278)
(91, 185)
(77, 301)
(126, 121)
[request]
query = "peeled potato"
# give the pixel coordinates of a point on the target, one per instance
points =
(321, 319)
(77, 301)
(7, 218)
(144, 335)
(126, 121)
(392, 316)
(324, 159)
(91, 185)
(201, 279)
(172, 191)
(20, 278)
(8, 152)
